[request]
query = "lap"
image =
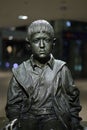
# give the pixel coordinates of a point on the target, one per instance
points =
(43, 122)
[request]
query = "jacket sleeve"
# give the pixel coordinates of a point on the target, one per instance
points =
(73, 97)
(14, 99)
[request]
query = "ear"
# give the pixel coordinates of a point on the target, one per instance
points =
(28, 44)
(54, 41)
(27, 40)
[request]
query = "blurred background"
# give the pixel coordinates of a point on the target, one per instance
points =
(69, 19)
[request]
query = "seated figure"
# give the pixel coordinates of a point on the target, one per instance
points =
(42, 94)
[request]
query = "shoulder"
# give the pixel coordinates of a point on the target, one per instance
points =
(22, 68)
(63, 67)
(59, 64)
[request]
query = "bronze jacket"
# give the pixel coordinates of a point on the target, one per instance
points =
(57, 76)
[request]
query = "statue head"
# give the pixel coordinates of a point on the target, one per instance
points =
(41, 39)
(40, 26)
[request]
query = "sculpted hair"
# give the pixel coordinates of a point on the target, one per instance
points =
(40, 26)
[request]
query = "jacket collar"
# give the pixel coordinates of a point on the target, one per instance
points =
(50, 63)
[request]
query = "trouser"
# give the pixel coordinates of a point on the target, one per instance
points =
(42, 122)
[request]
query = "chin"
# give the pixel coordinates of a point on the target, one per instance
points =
(43, 56)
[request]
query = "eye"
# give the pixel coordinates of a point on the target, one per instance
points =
(35, 40)
(47, 39)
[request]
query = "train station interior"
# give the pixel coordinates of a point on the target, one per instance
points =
(69, 20)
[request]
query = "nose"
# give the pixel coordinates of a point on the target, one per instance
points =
(42, 44)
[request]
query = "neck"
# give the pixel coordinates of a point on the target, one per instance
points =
(41, 61)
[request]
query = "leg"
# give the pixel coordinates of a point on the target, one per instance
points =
(28, 124)
(52, 124)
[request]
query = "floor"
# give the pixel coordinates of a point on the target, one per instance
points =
(5, 77)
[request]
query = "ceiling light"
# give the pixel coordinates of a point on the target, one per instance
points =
(12, 28)
(68, 23)
(22, 17)
(10, 37)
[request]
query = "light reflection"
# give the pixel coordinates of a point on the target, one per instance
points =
(15, 65)
(7, 64)
(9, 49)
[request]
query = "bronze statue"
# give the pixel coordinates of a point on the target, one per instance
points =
(42, 94)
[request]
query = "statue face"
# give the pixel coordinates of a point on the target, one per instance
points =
(41, 45)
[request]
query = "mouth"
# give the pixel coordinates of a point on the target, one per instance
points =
(42, 52)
